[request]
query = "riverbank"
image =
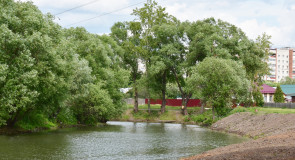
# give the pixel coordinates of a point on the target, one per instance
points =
(170, 116)
(273, 137)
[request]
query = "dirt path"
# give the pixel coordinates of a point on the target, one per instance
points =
(277, 130)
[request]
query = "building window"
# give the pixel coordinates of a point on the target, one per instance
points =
(283, 72)
(278, 60)
(265, 98)
(278, 66)
(270, 98)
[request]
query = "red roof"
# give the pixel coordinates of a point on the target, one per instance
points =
(267, 89)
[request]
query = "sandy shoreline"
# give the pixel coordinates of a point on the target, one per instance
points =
(273, 137)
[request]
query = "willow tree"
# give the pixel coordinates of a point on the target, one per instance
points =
(38, 73)
(103, 99)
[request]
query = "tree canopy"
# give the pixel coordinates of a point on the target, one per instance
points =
(52, 74)
(59, 73)
(220, 82)
(279, 95)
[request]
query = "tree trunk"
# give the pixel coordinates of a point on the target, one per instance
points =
(149, 105)
(184, 104)
(184, 107)
(213, 113)
(148, 86)
(135, 92)
(135, 100)
(202, 108)
(11, 122)
(163, 106)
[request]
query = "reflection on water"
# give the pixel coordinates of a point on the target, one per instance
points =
(116, 140)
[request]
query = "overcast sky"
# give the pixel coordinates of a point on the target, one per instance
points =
(275, 17)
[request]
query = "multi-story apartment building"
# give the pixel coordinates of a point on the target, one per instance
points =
(281, 63)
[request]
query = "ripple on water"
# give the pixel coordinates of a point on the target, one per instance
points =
(116, 140)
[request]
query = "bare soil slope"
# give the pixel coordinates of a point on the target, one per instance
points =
(277, 130)
(255, 125)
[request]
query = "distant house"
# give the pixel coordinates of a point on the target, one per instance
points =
(268, 93)
(289, 90)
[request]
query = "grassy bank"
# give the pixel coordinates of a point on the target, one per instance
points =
(173, 114)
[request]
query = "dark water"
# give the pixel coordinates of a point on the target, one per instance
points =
(116, 140)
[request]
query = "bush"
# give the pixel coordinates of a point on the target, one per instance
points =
(33, 121)
(66, 117)
(204, 119)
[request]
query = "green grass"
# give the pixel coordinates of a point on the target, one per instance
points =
(262, 110)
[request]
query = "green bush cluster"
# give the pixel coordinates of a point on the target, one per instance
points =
(204, 119)
(63, 76)
(34, 120)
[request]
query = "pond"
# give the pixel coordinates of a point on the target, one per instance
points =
(115, 140)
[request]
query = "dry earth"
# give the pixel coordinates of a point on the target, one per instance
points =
(277, 130)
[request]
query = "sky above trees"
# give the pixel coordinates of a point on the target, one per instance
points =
(275, 17)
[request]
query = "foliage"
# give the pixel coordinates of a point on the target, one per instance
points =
(257, 96)
(205, 119)
(47, 70)
(216, 89)
(287, 81)
(272, 84)
(35, 120)
(279, 95)
(71, 76)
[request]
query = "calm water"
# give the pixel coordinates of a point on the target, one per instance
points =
(116, 140)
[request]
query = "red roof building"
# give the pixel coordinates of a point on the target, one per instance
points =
(268, 93)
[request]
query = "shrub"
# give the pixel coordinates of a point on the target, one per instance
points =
(33, 121)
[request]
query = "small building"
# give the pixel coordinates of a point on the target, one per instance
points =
(268, 93)
(289, 91)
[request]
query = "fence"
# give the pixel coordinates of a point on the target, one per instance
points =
(131, 101)
(176, 102)
(280, 105)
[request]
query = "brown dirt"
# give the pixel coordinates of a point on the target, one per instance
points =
(255, 125)
(277, 142)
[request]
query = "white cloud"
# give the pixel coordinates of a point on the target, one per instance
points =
(253, 17)
(276, 18)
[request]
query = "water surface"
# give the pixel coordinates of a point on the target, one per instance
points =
(116, 140)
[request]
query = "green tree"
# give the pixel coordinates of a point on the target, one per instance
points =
(219, 82)
(149, 16)
(279, 95)
(287, 81)
(105, 57)
(50, 72)
(131, 45)
(216, 38)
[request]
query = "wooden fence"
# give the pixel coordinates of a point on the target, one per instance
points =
(280, 105)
